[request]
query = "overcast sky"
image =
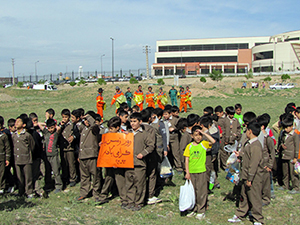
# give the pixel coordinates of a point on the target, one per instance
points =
(65, 34)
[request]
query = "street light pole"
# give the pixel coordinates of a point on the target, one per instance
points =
(101, 64)
(181, 61)
(112, 56)
(36, 70)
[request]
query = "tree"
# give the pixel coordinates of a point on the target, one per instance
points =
(284, 77)
(101, 81)
(249, 75)
(268, 79)
(216, 75)
(160, 81)
(133, 80)
(202, 79)
(20, 84)
(72, 83)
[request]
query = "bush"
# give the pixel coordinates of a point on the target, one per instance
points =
(160, 81)
(249, 75)
(202, 79)
(268, 78)
(284, 77)
(101, 81)
(20, 84)
(216, 75)
(81, 82)
(133, 80)
(72, 83)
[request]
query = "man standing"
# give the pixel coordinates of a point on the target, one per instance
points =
(129, 97)
(150, 98)
(161, 99)
(173, 95)
(189, 97)
(117, 98)
(100, 103)
(183, 95)
(138, 97)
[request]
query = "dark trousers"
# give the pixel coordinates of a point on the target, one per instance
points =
(109, 181)
(266, 187)
(24, 174)
(289, 174)
(88, 168)
(152, 162)
(2, 177)
(55, 167)
(223, 156)
(135, 186)
(174, 148)
(199, 181)
(68, 166)
(36, 176)
(120, 182)
(251, 200)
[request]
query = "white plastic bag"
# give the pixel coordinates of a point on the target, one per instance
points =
(230, 148)
(231, 159)
(187, 196)
(166, 168)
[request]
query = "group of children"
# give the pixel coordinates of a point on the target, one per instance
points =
(197, 146)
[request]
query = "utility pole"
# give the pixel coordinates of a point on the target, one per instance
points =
(146, 51)
(112, 56)
(13, 70)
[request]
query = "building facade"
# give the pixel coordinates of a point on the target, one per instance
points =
(230, 55)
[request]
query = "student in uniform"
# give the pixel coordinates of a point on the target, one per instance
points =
(135, 179)
(185, 137)
(195, 157)
(23, 148)
(251, 177)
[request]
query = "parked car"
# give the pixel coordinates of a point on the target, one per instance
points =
(138, 78)
(8, 85)
(182, 76)
(277, 86)
(288, 86)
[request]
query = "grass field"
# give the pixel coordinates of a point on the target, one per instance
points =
(63, 209)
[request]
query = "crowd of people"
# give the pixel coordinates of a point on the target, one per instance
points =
(65, 153)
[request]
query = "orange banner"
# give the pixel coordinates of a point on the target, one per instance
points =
(116, 151)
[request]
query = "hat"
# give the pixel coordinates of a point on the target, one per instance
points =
(117, 88)
(180, 87)
(172, 85)
(100, 90)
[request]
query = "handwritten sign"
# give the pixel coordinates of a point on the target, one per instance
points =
(116, 151)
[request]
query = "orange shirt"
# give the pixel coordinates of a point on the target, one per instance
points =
(117, 94)
(138, 92)
(160, 94)
(183, 95)
(189, 93)
(149, 97)
(100, 101)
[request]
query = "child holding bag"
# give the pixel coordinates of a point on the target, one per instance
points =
(195, 158)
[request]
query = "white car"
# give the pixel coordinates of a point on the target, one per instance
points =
(8, 85)
(277, 86)
(288, 86)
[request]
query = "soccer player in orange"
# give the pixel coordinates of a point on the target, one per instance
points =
(150, 98)
(139, 92)
(189, 95)
(100, 102)
(117, 94)
(183, 95)
(159, 96)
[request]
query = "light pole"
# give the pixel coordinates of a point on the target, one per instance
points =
(101, 63)
(112, 56)
(36, 70)
(181, 61)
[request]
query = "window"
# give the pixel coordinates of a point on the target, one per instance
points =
(263, 55)
(292, 39)
(198, 59)
(163, 49)
(211, 47)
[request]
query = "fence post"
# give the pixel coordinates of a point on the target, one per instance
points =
(73, 75)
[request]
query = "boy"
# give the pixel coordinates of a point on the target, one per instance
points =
(23, 147)
(11, 178)
(69, 132)
(232, 133)
(174, 139)
(195, 157)
(251, 177)
(289, 150)
(135, 108)
(135, 186)
(50, 113)
(129, 97)
(238, 114)
(124, 120)
(88, 154)
(185, 138)
(5, 154)
(175, 111)
(51, 148)
(268, 159)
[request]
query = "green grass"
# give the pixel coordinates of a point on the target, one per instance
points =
(63, 209)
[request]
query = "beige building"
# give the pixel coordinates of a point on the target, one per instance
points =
(231, 55)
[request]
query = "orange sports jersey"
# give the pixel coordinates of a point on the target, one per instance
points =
(118, 94)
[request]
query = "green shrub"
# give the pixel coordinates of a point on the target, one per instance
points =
(72, 83)
(216, 75)
(202, 79)
(20, 84)
(268, 79)
(249, 75)
(284, 77)
(101, 81)
(133, 80)
(160, 81)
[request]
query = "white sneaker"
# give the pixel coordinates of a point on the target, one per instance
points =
(154, 200)
(1, 191)
(200, 216)
(257, 223)
(11, 189)
(191, 214)
(234, 219)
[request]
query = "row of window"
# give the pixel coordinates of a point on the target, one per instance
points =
(198, 59)
(263, 69)
(263, 55)
(179, 48)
